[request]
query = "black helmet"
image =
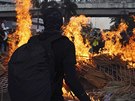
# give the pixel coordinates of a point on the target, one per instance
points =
(52, 17)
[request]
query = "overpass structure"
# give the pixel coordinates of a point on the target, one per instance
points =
(7, 1)
(95, 8)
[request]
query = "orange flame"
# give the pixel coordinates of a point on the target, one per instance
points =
(113, 45)
(134, 31)
(23, 32)
(23, 21)
(126, 52)
(73, 32)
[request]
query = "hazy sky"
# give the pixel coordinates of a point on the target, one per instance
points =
(101, 22)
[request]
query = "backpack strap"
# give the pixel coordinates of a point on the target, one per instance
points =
(53, 38)
(48, 45)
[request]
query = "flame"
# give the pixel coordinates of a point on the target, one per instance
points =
(23, 21)
(134, 31)
(113, 46)
(23, 32)
(73, 32)
(126, 52)
(112, 43)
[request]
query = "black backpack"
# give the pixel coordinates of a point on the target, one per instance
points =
(29, 77)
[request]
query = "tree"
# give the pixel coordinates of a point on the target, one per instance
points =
(35, 3)
(129, 20)
(125, 35)
(69, 10)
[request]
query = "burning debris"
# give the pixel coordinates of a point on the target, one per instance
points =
(108, 75)
(115, 62)
(113, 40)
(118, 91)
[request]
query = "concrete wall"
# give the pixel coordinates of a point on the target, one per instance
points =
(7, 7)
(101, 4)
(106, 5)
(7, 0)
(102, 0)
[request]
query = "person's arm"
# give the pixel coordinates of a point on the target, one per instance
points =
(6, 36)
(70, 74)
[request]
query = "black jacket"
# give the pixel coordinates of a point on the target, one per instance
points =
(65, 60)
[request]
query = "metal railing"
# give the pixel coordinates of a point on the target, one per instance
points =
(7, 7)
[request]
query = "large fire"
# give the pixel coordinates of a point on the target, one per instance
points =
(112, 46)
(23, 32)
(126, 52)
(73, 32)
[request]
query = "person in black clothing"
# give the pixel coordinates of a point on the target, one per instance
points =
(65, 59)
